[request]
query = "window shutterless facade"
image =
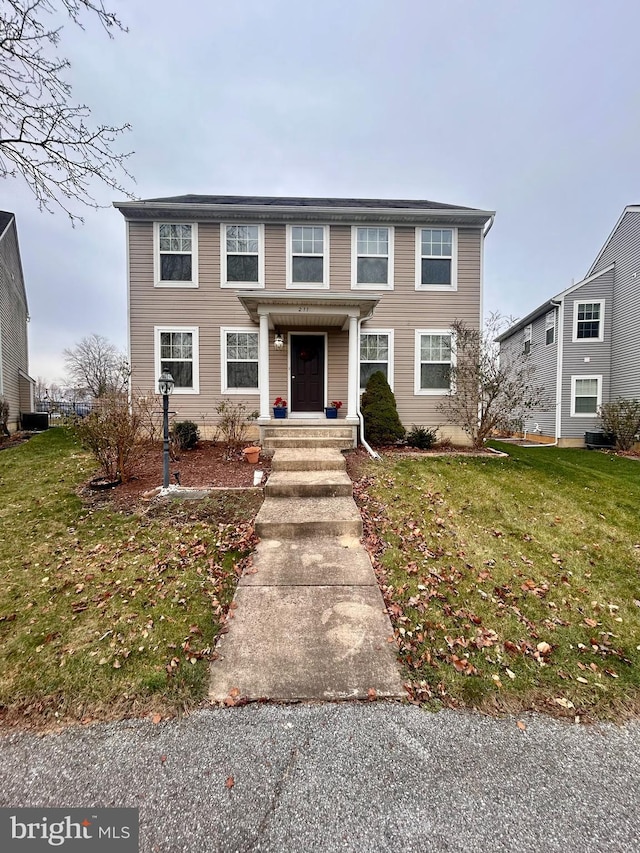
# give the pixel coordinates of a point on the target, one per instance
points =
(436, 258)
(308, 256)
(372, 258)
(175, 254)
(177, 351)
(550, 327)
(242, 256)
(528, 333)
(433, 360)
(239, 361)
(376, 353)
(588, 321)
(586, 396)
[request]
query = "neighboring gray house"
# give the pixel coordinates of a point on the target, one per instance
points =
(16, 386)
(252, 298)
(585, 342)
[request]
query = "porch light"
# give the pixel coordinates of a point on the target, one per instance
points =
(165, 383)
(278, 341)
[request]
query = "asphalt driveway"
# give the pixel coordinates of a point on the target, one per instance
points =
(356, 777)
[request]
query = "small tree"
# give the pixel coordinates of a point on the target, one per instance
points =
(95, 364)
(622, 420)
(381, 422)
(486, 393)
(111, 431)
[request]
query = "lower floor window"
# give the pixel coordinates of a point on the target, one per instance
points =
(433, 362)
(586, 395)
(240, 359)
(177, 354)
(375, 355)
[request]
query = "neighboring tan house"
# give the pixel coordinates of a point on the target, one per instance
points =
(585, 342)
(251, 298)
(16, 386)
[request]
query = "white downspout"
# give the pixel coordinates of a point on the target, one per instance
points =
(372, 453)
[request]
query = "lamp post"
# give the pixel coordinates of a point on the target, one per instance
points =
(165, 387)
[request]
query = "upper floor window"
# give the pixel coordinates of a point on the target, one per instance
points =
(176, 254)
(307, 256)
(527, 339)
(176, 350)
(376, 353)
(434, 358)
(239, 359)
(436, 259)
(372, 258)
(588, 321)
(550, 327)
(242, 256)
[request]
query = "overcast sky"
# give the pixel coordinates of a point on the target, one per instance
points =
(531, 109)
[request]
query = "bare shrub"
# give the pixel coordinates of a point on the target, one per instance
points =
(622, 420)
(111, 432)
(233, 424)
(150, 413)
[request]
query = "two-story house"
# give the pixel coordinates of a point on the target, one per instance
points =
(16, 386)
(252, 298)
(585, 342)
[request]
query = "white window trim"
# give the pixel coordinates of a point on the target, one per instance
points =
(454, 258)
(156, 256)
(311, 285)
(195, 331)
(550, 323)
(587, 301)
(591, 415)
(242, 392)
(241, 285)
(390, 346)
(355, 285)
(431, 392)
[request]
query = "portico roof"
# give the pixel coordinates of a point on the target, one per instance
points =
(303, 309)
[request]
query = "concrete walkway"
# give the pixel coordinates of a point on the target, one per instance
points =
(309, 621)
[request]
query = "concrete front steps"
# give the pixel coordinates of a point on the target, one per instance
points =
(308, 434)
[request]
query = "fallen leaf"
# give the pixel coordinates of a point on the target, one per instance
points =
(511, 674)
(564, 703)
(156, 719)
(522, 726)
(230, 782)
(163, 758)
(372, 694)
(543, 648)
(590, 622)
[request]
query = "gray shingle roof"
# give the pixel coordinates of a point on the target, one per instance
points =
(297, 201)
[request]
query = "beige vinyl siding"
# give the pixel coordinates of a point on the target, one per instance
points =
(340, 260)
(275, 260)
(13, 324)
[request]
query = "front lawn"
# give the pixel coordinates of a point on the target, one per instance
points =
(105, 612)
(512, 583)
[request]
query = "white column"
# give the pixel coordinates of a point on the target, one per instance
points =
(354, 380)
(263, 367)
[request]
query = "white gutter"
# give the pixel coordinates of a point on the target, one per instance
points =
(372, 453)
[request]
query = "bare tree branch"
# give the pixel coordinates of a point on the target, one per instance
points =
(45, 137)
(95, 364)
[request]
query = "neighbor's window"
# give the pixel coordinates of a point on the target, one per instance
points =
(586, 395)
(372, 249)
(177, 353)
(435, 256)
(240, 360)
(376, 354)
(527, 339)
(588, 321)
(550, 327)
(307, 255)
(434, 358)
(242, 256)
(176, 255)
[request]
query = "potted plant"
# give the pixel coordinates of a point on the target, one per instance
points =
(332, 410)
(279, 408)
(252, 454)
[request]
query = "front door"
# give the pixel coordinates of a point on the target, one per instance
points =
(307, 373)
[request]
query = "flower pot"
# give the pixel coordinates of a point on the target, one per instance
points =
(251, 454)
(331, 412)
(279, 412)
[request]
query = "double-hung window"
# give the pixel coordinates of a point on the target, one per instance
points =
(239, 359)
(242, 256)
(434, 359)
(372, 258)
(376, 353)
(436, 259)
(308, 256)
(586, 396)
(588, 321)
(176, 254)
(176, 351)
(550, 327)
(528, 331)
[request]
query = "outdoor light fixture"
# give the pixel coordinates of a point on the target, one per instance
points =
(278, 342)
(165, 387)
